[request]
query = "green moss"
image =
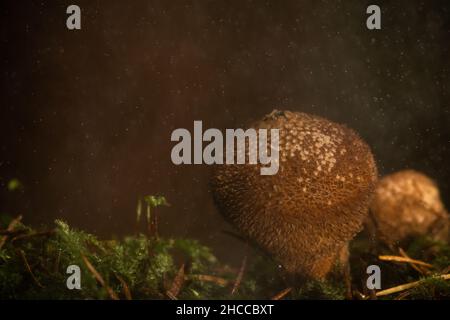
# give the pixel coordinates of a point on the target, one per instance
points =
(321, 290)
(431, 288)
(435, 252)
(146, 265)
(33, 266)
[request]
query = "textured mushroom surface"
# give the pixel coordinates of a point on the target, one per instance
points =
(406, 204)
(305, 214)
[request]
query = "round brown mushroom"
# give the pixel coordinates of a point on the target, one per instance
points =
(408, 204)
(305, 215)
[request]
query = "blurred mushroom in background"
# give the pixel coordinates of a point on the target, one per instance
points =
(408, 204)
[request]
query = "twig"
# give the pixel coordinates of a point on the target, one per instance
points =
(407, 286)
(10, 228)
(234, 235)
(280, 295)
(31, 235)
(58, 260)
(239, 276)
(99, 278)
(126, 289)
(11, 233)
(347, 280)
(207, 278)
(446, 270)
(417, 268)
(27, 265)
(177, 283)
(155, 224)
(406, 260)
(402, 295)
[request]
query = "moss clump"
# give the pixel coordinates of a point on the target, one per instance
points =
(33, 265)
(427, 280)
(431, 288)
(321, 290)
(435, 252)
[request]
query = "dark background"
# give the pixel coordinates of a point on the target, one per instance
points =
(86, 116)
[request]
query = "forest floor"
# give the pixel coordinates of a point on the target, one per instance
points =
(33, 265)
